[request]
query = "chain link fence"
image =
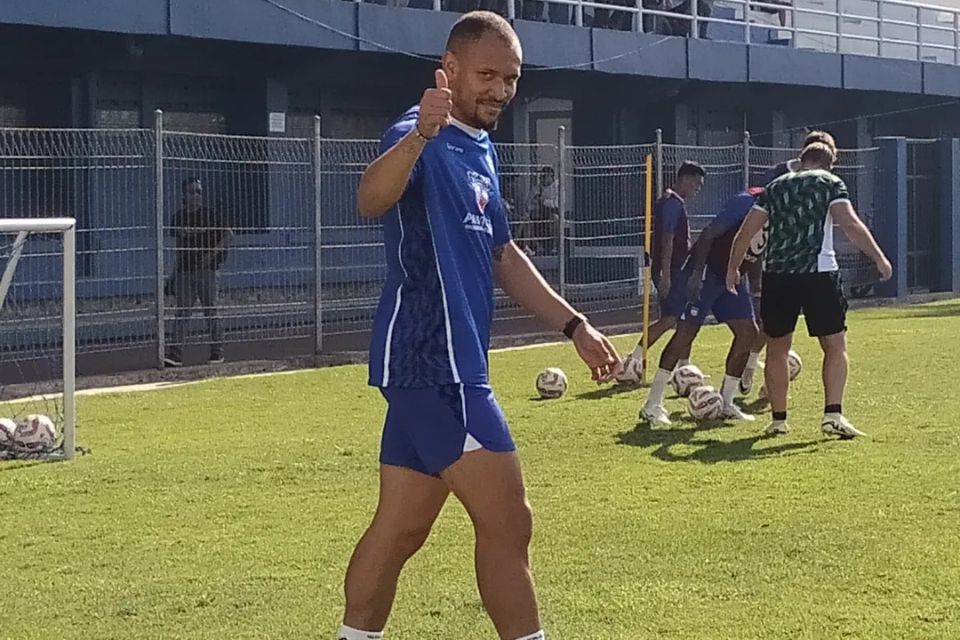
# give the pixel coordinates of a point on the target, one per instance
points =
(251, 248)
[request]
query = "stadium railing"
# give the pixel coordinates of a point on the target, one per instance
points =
(885, 28)
(302, 272)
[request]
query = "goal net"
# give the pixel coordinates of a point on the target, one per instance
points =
(37, 338)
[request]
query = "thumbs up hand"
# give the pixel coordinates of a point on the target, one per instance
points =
(435, 107)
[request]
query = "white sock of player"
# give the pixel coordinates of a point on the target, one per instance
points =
(539, 635)
(658, 387)
(349, 633)
(682, 362)
(753, 361)
(728, 389)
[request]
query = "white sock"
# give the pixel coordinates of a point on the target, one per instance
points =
(637, 353)
(658, 387)
(753, 361)
(682, 362)
(349, 633)
(539, 635)
(728, 389)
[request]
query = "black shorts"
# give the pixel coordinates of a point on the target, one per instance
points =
(819, 296)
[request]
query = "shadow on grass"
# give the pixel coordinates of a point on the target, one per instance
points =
(925, 311)
(708, 450)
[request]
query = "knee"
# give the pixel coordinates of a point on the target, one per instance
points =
(511, 527)
(399, 541)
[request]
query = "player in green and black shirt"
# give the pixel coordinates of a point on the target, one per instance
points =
(801, 275)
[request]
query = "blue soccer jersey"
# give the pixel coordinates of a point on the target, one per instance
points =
(432, 326)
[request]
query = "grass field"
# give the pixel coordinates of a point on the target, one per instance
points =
(228, 509)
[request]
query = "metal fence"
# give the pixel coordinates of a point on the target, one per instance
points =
(923, 206)
(299, 271)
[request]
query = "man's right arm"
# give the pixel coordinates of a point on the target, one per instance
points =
(385, 180)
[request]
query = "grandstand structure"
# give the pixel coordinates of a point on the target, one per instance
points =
(108, 106)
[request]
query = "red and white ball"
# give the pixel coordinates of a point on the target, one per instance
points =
(705, 403)
(36, 433)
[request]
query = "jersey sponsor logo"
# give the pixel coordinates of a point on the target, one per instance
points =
(451, 147)
(482, 188)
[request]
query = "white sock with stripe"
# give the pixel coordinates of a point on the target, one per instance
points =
(349, 633)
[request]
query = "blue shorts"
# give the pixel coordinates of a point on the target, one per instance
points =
(676, 300)
(428, 429)
(725, 306)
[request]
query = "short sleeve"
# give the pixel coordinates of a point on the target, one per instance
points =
(395, 134)
(733, 214)
(763, 201)
(671, 215)
(500, 222)
(839, 192)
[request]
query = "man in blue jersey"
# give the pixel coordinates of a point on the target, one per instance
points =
(705, 278)
(436, 187)
(670, 247)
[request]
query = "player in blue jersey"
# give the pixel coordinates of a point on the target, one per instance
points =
(705, 275)
(436, 187)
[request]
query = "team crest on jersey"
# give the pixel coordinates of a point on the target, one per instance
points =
(482, 189)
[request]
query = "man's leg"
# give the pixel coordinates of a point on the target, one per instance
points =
(409, 504)
(185, 293)
(744, 336)
(490, 486)
(779, 309)
(753, 360)
(825, 308)
(679, 345)
(835, 364)
(209, 281)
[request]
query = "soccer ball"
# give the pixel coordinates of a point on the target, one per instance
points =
(705, 403)
(551, 383)
(758, 244)
(7, 429)
(795, 364)
(686, 379)
(632, 371)
(37, 433)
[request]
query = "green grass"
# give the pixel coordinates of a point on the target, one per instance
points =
(228, 509)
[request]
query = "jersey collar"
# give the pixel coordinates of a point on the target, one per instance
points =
(671, 192)
(473, 132)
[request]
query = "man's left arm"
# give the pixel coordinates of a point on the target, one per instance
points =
(521, 280)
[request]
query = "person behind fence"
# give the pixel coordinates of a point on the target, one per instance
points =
(202, 236)
(544, 212)
(670, 247)
(436, 186)
(801, 275)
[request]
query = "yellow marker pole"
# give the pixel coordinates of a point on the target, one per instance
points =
(647, 225)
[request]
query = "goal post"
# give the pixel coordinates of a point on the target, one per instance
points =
(16, 235)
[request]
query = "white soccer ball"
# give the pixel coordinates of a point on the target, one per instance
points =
(7, 428)
(36, 433)
(632, 371)
(758, 244)
(686, 379)
(551, 383)
(795, 364)
(705, 403)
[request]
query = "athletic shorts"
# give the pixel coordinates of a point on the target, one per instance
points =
(819, 296)
(672, 306)
(428, 429)
(714, 297)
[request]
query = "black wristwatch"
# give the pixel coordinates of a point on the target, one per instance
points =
(572, 325)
